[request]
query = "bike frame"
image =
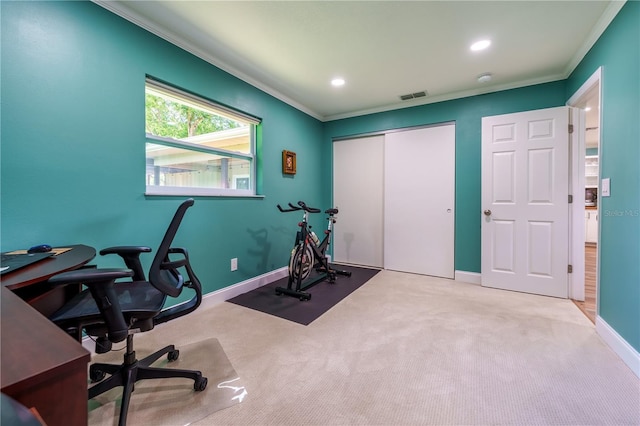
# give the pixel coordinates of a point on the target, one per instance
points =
(319, 262)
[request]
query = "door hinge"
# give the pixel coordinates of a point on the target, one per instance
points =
(570, 269)
(570, 128)
(570, 198)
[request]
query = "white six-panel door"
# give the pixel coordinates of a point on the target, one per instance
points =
(525, 181)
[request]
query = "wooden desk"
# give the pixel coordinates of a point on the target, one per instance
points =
(41, 365)
(30, 282)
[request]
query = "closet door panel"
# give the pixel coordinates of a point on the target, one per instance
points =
(419, 201)
(358, 194)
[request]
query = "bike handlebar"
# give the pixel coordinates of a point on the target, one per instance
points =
(292, 209)
(307, 208)
(303, 206)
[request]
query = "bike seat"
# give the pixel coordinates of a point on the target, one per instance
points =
(331, 212)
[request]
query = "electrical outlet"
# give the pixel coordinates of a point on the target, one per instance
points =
(234, 264)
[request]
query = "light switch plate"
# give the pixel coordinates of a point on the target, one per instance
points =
(605, 188)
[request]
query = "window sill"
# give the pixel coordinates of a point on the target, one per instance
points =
(172, 191)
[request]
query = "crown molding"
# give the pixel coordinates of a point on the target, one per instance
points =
(449, 96)
(599, 28)
(127, 13)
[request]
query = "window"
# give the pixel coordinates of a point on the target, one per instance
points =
(195, 146)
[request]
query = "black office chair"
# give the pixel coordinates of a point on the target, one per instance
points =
(112, 311)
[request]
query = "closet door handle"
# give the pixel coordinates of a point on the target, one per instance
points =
(487, 212)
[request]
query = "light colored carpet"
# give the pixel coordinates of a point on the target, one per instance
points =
(413, 350)
(164, 400)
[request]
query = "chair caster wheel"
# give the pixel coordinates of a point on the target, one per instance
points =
(200, 384)
(96, 376)
(173, 355)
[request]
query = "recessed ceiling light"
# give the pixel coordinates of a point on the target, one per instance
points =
(337, 82)
(587, 109)
(484, 78)
(480, 45)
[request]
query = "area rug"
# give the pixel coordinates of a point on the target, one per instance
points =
(172, 401)
(324, 296)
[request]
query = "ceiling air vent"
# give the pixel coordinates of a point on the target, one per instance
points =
(413, 95)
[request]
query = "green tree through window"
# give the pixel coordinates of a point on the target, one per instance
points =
(172, 119)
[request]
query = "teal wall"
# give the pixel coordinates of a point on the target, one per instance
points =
(73, 147)
(618, 53)
(467, 114)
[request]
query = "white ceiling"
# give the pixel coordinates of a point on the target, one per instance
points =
(383, 49)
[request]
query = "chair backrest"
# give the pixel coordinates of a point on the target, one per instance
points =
(163, 273)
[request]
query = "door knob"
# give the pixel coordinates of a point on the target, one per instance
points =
(487, 212)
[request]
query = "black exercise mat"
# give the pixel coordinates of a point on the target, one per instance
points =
(323, 296)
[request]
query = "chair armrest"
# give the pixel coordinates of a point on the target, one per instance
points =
(175, 264)
(101, 283)
(192, 282)
(131, 257)
(125, 250)
(179, 250)
(89, 276)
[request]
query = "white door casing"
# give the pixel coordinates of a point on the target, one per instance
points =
(525, 181)
(578, 177)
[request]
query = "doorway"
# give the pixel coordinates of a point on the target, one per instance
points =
(588, 98)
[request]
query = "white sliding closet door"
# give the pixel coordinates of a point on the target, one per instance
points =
(419, 197)
(358, 194)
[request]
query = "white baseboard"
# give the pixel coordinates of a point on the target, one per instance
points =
(224, 294)
(468, 277)
(621, 347)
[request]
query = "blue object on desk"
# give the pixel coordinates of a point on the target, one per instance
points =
(42, 248)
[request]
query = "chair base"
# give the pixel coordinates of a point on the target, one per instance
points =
(133, 370)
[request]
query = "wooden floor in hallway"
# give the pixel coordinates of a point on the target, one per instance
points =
(589, 304)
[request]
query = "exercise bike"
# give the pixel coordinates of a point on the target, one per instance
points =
(308, 254)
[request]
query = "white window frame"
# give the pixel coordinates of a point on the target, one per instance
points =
(189, 146)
